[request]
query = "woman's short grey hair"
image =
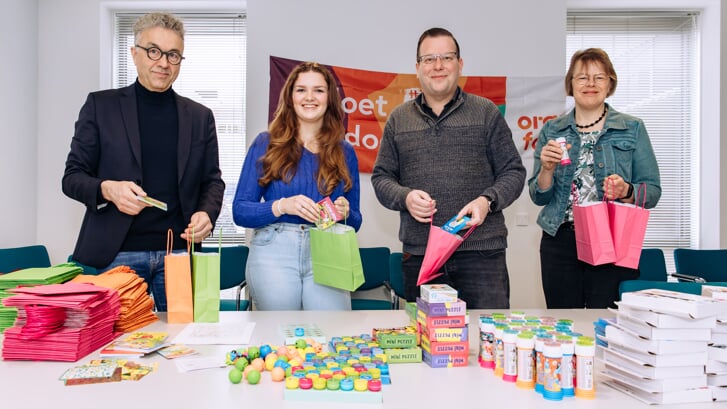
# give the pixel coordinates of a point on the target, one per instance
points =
(163, 20)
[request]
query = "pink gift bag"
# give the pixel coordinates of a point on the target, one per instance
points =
(628, 228)
(440, 247)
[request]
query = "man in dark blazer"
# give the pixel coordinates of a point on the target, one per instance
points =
(141, 141)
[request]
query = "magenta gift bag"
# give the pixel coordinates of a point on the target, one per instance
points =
(594, 242)
(440, 247)
(628, 228)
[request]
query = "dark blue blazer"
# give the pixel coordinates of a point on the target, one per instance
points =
(107, 146)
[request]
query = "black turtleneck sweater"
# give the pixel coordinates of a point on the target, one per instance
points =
(159, 130)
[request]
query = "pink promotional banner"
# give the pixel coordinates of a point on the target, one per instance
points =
(368, 97)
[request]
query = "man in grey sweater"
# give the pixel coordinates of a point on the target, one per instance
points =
(449, 153)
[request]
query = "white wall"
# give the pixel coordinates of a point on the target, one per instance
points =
(18, 125)
(373, 34)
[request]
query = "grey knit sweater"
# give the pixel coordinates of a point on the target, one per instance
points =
(465, 153)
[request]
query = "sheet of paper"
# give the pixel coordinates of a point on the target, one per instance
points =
(197, 363)
(217, 333)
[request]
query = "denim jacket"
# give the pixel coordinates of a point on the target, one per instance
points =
(622, 148)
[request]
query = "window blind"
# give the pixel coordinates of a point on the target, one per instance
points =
(213, 73)
(656, 59)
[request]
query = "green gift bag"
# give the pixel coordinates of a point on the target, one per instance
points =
(206, 285)
(336, 258)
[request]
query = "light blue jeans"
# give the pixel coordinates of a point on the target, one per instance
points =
(148, 265)
(280, 272)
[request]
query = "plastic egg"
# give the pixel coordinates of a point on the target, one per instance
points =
(235, 375)
(265, 350)
(253, 377)
(258, 364)
(277, 374)
(253, 352)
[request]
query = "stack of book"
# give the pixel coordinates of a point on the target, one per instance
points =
(60, 322)
(657, 347)
(442, 324)
(137, 344)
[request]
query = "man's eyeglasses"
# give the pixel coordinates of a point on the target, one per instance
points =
(583, 79)
(155, 54)
(432, 58)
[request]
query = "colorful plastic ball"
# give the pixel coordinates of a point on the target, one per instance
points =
(283, 350)
(265, 350)
(277, 374)
(253, 352)
(253, 377)
(269, 364)
(258, 364)
(300, 343)
(241, 363)
(235, 375)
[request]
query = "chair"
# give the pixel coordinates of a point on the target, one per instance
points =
(18, 258)
(88, 270)
(233, 261)
(396, 278)
(652, 265)
(375, 261)
(638, 285)
(710, 265)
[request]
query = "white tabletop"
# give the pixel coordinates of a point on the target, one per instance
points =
(36, 385)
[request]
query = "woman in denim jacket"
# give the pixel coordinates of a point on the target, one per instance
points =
(611, 156)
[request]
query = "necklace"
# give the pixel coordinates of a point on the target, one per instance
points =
(594, 122)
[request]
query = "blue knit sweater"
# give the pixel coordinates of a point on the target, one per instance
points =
(249, 211)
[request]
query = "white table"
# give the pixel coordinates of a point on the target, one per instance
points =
(35, 384)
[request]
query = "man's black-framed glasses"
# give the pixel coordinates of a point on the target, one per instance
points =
(155, 54)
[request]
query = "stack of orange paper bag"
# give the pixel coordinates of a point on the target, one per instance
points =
(136, 305)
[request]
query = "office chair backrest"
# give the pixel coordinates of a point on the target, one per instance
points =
(708, 264)
(396, 277)
(18, 258)
(375, 261)
(637, 285)
(233, 261)
(652, 265)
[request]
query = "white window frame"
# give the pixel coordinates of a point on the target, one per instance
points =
(106, 41)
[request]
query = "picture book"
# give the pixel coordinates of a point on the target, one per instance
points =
(328, 215)
(136, 344)
(130, 370)
(675, 303)
(175, 351)
(88, 374)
